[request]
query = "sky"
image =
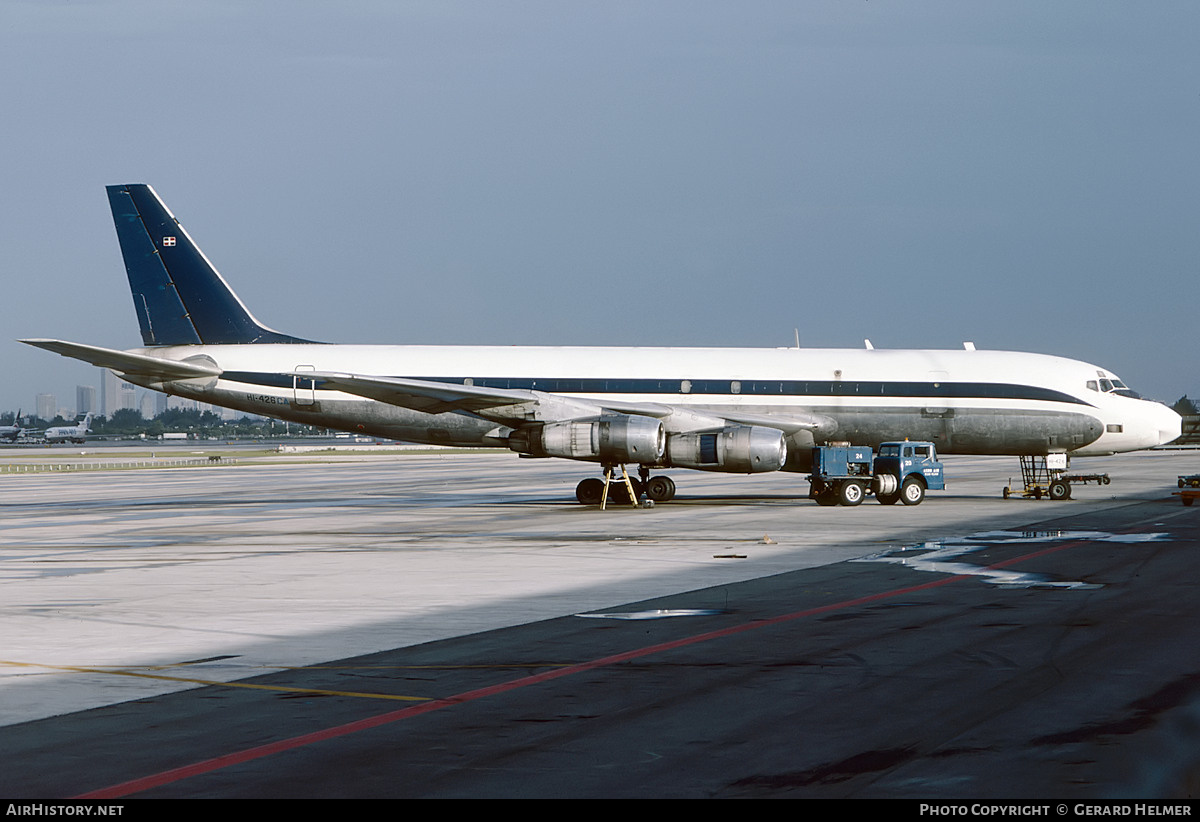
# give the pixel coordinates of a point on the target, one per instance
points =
(1022, 175)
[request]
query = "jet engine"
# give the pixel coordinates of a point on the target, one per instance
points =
(738, 449)
(612, 438)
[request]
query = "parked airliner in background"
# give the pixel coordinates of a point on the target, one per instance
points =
(713, 409)
(70, 433)
(10, 433)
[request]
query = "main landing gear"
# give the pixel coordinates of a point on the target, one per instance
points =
(624, 489)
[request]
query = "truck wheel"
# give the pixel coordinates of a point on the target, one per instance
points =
(888, 499)
(1059, 490)
(827, 497)
(1188, 500)
(851, 493)
(912, 492)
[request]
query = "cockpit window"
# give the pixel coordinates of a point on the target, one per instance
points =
(1113, 386)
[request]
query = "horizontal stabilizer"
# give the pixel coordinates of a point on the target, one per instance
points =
(125, 362)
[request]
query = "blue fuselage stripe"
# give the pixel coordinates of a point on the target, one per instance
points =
(755, 388)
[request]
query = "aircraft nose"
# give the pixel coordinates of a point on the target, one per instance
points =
(1170, 425)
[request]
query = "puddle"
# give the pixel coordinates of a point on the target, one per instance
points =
(661, 613)
(946, 556)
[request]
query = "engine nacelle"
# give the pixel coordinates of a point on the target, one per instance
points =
(613, 438)
(739, 449)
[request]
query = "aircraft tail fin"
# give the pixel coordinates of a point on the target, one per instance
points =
(179, 296)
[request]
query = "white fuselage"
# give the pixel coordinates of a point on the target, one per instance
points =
(968, 401)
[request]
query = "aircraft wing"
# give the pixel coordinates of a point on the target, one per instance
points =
(516, 406)
(429, 396)
(126, 362)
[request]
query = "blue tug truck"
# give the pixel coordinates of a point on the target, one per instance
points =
(901, 471)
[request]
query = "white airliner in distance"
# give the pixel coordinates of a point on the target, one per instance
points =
(737, 410)
(70, 433)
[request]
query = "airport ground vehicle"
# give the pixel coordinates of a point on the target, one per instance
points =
(1047, 477)
(1192, 480)
(904, 471)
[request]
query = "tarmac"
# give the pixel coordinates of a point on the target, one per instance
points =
(423, 624)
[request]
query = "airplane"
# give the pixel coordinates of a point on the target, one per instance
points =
(70, 433)
(11, 433)
(736, 410)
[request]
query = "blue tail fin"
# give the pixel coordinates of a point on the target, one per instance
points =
(179, 296)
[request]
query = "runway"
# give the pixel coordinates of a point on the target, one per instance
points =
(442, 625)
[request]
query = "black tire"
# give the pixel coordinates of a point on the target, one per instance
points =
(1188, 500)
(589, 491)
(660, 489)
(1060, 490)
(827, 498)
(912, 492)
(1007, 492)
(851, 493)
(619, 494)
(888, 499)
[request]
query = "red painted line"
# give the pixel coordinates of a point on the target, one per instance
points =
(176, 774)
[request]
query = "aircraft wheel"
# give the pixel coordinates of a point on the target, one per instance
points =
(660, 489)
(618, 494)
(1060, 490)
(912, 492)
(589, 491)
(851, 493)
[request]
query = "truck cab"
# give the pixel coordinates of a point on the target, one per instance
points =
(914, 467)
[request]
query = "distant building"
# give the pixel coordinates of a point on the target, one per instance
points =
(85, 399)
(146, 406)
(116, 394)
(47, 406)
